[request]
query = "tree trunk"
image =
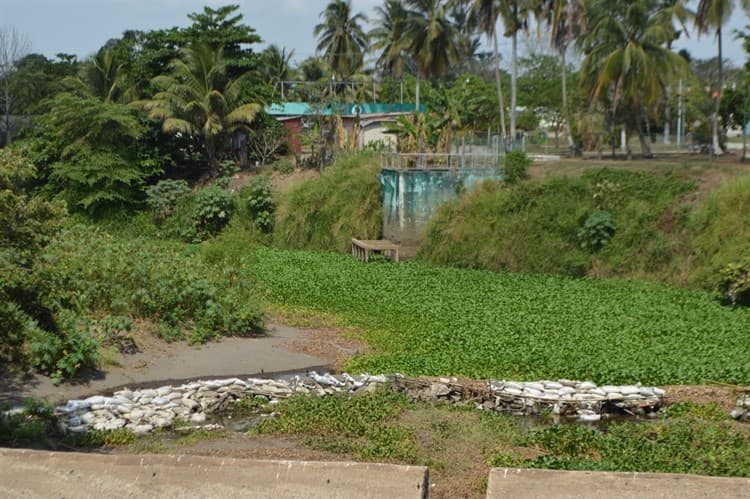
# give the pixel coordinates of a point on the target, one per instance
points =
(393, 90)
(6, 109)
(716, 149)
(667, 114)
(645, 147)
(416, 107)
(513, 78)
(499, 84)
(213, 164)
(566, 111)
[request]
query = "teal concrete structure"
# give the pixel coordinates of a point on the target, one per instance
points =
(412, 196)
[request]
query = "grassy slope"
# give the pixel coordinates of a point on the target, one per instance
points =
(438, 321)
(325, 213)
(671, 225)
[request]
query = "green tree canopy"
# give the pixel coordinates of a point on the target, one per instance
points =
(627, 63)
(199, 98)
(341, 38)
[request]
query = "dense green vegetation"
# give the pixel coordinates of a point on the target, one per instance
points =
(720, 231)
(94, 273)
(325, 213)
(649, 230)
(536, 226)
(453, 441)
(437, 320)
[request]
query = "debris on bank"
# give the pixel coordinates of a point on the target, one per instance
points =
(142, 411)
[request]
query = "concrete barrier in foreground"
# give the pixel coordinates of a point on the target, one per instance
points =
(31, 474)
(551, 484)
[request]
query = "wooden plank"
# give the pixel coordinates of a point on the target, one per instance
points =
(361, 248)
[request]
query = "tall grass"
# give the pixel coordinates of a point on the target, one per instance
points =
(534, 227)
(327, 212)
(719, 231)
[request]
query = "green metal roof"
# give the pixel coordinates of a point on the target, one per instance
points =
(341, 108)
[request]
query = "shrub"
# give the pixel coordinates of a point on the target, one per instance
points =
(93, 273)
(597, 230)
(734, 283)
(257, 197)
(213, 210)
(515, 166)
(64, 353)
(162, 198)
(284, 166)
(28, 427)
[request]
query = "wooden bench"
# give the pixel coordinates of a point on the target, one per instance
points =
(361, 248)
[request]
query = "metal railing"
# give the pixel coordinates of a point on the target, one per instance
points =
(426, 161)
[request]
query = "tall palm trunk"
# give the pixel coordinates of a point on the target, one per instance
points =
(642, 138)
(513, 77)
(716, 149)
(500, 99)
(667, 113)
(416, 107)
(566, 111)
(6, 108)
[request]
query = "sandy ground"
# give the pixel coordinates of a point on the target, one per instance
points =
(162, 363)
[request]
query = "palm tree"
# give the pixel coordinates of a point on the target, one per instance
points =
(198, 98)
(485, 14)
(711, 15)
(341, 38)
(432, 38)
(515, 17)
(277, 64)
(673, 10)
(567, 22)
(102, 78)
(388, 38)
(627, 63)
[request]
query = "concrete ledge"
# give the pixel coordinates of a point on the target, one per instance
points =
(526, 483)
(36, 474)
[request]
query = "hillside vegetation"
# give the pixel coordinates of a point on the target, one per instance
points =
(541, 227)
(325, 213)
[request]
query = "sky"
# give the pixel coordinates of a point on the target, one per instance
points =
(82, 26)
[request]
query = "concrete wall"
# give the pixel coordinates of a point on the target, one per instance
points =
(412, 196)
(548, 484)
(31, 474)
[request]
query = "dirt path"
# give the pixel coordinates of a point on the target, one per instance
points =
(164, 363)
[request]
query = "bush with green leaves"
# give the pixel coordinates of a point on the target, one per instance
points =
(597, 230)
(515, 166)
(212, 211)
(734, 283)
(163, 196)
(91, 149)
(284, 166)
(95, 274)
(31, 426)
(259, 203)
(35, 329)
(64, 353)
